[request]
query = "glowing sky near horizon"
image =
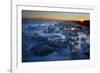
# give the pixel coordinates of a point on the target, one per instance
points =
(56, 15)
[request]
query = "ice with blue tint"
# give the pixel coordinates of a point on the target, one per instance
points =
(51, 40)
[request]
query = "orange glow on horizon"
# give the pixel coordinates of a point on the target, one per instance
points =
(66, 16)
(81, 20)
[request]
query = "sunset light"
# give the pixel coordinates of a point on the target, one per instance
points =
(70, 16)
(81, 20)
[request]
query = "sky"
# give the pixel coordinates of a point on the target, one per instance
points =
(56, 15)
